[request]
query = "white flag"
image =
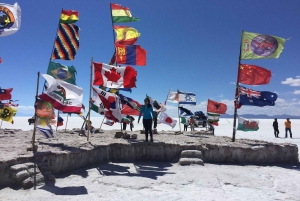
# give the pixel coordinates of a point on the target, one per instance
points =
(10, 19)
(173, 97)
(186, 98)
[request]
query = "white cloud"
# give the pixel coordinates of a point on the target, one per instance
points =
(292, 82)
(294, 99)
(232, 83)
(297, 92)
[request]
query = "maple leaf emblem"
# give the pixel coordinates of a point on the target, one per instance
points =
(112, 75)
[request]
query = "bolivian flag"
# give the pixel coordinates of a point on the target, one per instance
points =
(7, 113)
(69, 16)
(121, 14)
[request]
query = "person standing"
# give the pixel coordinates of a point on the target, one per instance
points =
(192, 123)
(275, 126)
(185, 125)
(211, 127)
(155, 120)
(288, 126)
(131, 122)
(148, 113)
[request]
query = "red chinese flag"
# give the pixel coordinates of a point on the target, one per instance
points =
(216, 107)
(5, 94)
(254, 75)
(130, 54)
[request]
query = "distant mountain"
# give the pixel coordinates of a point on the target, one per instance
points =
(262, 116)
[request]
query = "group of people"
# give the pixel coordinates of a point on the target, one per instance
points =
(288, 127)
(191, 122)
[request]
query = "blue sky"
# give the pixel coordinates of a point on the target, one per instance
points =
(191, 45)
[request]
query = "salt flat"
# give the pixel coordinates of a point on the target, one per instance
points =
(169, 181)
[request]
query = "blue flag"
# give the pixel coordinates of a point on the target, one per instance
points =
(256, 98)
(186, 98)
(185, 112)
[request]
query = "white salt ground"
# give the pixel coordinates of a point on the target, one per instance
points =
(170, 181)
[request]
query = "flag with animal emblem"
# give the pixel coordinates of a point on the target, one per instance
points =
(66, 43)
(260, 46)
(97, 105)
(63, 96)
(60, 121)
(126, 35)
(213, 117)
(7, 113)
(46, 131)
(113, 77)
(256, 98)
(5, 94)
(121, 14)
(130, 54)
(173, 97)
(69, 16)
(130, 106)
(247, 124)
(253, 75)
(10, 19)
(185, 112)
(165, 119)
(111, 103)
(186, 98)
(62, 72)
(109, 122)
(216, 107)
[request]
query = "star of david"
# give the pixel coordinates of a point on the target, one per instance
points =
(188, 97)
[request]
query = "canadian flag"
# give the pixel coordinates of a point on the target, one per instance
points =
(165, 119)
(113, 77)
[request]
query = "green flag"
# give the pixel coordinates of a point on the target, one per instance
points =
(260, 46)
(213, 117)
(183, 120)
(62, 72)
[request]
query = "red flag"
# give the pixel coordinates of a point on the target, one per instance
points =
(254, 75)
(216, 107)
(215, 123)
(128, 110)
(0, 60)
(130, 54)
(5, 94)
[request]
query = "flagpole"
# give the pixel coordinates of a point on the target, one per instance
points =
(67, 122)
(178, 114)
(101, 123)
(90, 105)
(35, 116)
(236, 92)
(57, 120)
(1, 125)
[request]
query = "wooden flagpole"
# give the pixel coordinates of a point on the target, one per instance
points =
(236, 93)
(57, 120)
(35, 116)
(101, 123)
(90, 104)
(178, 114)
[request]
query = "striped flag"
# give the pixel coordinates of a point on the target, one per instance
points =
(46, 131)
(109, 122)
(66, 43)
(213, 117)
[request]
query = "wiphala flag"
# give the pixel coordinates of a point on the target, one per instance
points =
(66, 42)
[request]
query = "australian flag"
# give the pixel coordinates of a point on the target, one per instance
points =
(256, 98)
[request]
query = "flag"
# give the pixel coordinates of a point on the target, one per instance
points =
(60, 121)
(216, 107)
(260, 46)
(5, 94)
(130, 106)
(11, 104)
(109, 122)
(66, 43)
(215, 123)
(165, 119)
(247, 124)
(256, 98)
(130, 54)
(126, 35)
(121, 14)
(113, 77)
(186, 98)
(184, 120)
(10, 19)
(253, 75)
(184, 112)
(126, 120)
(63, 96)
(0, 60)
(157, 107)
(7, 113)
(97, 105)
(69, 16)
(46, 131)
(173, 97)
(111, 103)
(62, 72)
(213, 117)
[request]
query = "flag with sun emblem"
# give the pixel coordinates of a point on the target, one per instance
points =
(216, 107)
(10, 19)
(62, 72)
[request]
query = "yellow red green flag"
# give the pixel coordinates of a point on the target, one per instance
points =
(126, 35)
